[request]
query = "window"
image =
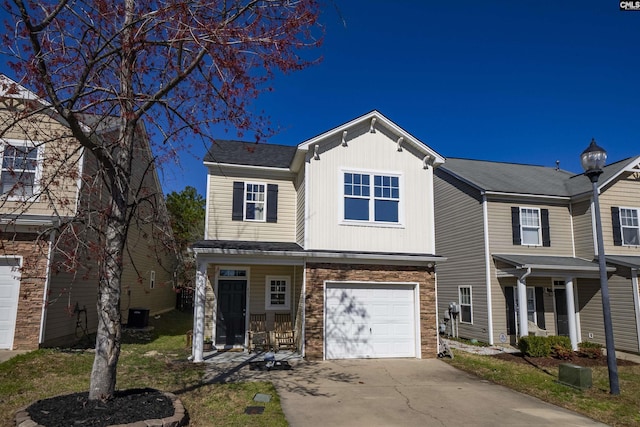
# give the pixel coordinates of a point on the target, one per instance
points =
(630, 227)
(277, 293)
(254, 205)
(380, 206)
(464, 294)
(531, 305)
(20, 169)
(530, 226)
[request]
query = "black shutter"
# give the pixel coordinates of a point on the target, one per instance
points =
(546, 237)
(511, 310)
(272, 203)
(238, 201)
(617, 230)
(540, 307)
(515, 225)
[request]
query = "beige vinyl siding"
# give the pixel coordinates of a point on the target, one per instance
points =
(583, 229)
(460, 238)
(501, 237)
(623, 193)
(300, 207)
(59, 155)
(220, 225)
(372, 153)
(622, 312)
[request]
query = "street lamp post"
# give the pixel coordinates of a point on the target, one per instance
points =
(593, 160)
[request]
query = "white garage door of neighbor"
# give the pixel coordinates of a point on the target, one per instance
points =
(9, 289)
(369, 321)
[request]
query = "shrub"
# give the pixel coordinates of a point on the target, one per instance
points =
(591, 350)
(560, 347)
(533, 346)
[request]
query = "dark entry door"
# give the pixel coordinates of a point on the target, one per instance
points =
(232, 300)
(562, 319)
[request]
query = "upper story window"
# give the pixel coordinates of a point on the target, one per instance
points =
(530, 226)
(21, 166)
(255, 201)
(371, 197)
(626, 229)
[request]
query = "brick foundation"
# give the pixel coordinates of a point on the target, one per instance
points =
(317, 274)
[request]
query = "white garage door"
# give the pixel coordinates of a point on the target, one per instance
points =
(369, 321)
(9, 289)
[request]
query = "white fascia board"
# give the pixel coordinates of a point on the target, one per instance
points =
(30, 220)
(499, 194)
(438, 159)
(280, 171)
(632, 166)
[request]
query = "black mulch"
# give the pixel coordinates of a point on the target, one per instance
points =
(77, 410)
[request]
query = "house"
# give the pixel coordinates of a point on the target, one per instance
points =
(522, 252)
(336, 233)
(48, 281)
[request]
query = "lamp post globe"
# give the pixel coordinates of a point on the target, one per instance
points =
(593, 160)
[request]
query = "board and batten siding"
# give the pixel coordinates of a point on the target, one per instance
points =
(623, 193)
(300, 207)
(460, 238)
(220, 226)
(374, 152)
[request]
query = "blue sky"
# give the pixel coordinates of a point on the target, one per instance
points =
(529, 81)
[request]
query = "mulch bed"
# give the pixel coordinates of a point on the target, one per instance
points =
(77, 410)
(550, 362)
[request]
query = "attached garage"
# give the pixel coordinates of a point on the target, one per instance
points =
(9, 290)
(371, 320)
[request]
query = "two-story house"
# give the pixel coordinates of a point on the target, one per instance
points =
(48, 281)
(522, 253)
(337, 232)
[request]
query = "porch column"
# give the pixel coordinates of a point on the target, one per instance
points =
(571, 313)
(198, 311)
(523, 319)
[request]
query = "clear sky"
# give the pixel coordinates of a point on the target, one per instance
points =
(529, 81)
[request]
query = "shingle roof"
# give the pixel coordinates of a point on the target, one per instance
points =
(248, 246)
(625, 260)
(547, 262)
(250, 154)
(525, 179)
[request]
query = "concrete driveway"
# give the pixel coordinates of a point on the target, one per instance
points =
(406, 392)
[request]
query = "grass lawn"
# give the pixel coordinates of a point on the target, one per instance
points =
(596, 402)
(156, 360)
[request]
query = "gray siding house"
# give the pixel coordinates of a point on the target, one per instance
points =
(522, 255)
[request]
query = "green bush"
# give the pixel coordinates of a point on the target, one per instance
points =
(533, 346)
(560, 347)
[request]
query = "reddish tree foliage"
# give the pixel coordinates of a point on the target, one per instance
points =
(182, 67)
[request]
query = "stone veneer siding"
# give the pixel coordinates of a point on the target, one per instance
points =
(317, 274)
(32, 281)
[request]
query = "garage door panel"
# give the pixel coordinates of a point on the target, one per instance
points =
(9, 289)
(369, 321)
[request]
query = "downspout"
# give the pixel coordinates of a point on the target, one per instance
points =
(636, 302)
(522, 303)
(47, 284)
(303, 338)
(487, 268)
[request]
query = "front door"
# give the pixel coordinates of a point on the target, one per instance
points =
(562, 319)
(232, 302)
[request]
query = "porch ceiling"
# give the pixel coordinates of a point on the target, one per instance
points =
(548, 266)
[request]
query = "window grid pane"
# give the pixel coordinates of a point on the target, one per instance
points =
(630, 227)
(360, 206)
(530, 223)
(254, 202)
(19, 164)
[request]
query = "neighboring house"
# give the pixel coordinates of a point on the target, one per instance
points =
(48, 281)
(522, 252)
(337, 232)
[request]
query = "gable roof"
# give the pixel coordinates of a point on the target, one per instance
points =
(513, 178)
(250, 154)
(375, 118)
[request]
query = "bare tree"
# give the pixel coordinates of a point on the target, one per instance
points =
(182, 67)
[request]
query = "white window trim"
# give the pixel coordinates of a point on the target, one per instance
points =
(152, 279)
(522, 243)
(460, 304)
(287, 293)
(620, 208)
(244, 202)
(371, 222)
(38, 172)
(532, 290)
